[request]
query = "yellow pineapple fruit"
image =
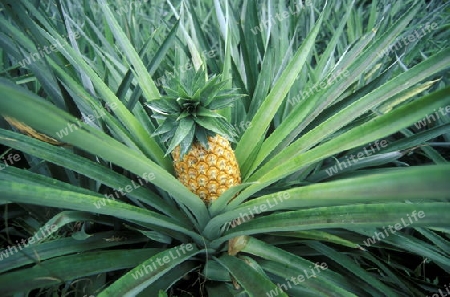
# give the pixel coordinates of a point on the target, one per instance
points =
(198, 136)
(208, 172)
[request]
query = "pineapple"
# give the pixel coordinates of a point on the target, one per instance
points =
(198, 137)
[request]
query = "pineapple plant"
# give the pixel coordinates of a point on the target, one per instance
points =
(342, 187)
(199, 137)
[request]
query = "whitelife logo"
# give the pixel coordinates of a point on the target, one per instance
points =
(359, 156)
(327, 81)
(158, 262)
(45, 232)
(415, 36)
(378, 236)
(242, 127)
(46, 50)
(433, 117)
(9, 161)
(441, 294)
(88, 119)
(270, 203)
(299, 279)
(146, 177)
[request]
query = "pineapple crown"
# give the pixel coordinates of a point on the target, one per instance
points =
(188, 112)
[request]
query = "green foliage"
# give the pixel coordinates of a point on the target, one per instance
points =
(342, 139)
(188, 111)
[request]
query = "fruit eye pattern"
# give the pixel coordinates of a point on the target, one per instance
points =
(205, 175)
